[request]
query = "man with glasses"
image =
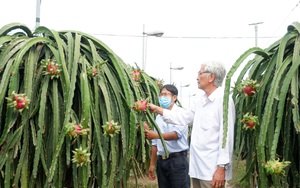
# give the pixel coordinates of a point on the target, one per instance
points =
(172, 171)
(210, 163)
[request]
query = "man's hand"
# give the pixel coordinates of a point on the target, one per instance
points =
(151, 134)
(151, 173)
(218, 180)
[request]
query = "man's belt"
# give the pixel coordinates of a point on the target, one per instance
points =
(174, 155)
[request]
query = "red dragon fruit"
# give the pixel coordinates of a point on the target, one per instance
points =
(73, 130)
(140, 105)
(81, 156)
(250, 121)
(92, 71)
(275, 167)
(21, 103)
(111, 128)
(136, 74)
(18, 101)
(249, 87)
(52, 68)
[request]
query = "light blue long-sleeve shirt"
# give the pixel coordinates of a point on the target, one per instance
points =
(172, 145)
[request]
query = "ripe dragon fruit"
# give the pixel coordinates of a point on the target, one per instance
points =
(140, 105)
(18, 101)
(136, 74)
(111, 128)
(275, 167)
(51, 68)
(81, 156)
(249, 87)
(73, 130)
(250, 121)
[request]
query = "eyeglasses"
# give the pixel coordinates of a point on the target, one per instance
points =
(200, 73)
(165, 94)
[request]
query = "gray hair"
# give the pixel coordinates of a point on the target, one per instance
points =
(216, 68)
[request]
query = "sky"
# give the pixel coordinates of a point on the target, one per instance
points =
(195, 31)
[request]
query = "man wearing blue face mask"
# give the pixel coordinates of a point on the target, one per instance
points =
(172, 171)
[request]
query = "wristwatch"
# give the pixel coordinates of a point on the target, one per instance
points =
(225, 166)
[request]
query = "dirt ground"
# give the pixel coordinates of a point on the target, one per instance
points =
(147, 183)
(238, 170)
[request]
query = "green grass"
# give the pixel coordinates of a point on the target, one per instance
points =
(239, 169)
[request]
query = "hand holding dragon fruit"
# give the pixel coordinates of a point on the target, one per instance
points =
(18, 101)
(249, 87)
(250, 121)
(275, 167)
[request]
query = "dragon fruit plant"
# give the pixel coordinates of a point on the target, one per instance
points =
(271, 92)
(67, 85)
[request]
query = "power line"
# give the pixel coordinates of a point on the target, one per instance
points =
(210, 37)
(186, 37)
(286, 18)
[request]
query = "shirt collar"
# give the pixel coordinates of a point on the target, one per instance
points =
(174, 107)
(212, 96)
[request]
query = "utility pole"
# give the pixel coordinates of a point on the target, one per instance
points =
(256, 28)
(145, 35)
(38, 11)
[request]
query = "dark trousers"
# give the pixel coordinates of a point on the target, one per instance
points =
(173, 172)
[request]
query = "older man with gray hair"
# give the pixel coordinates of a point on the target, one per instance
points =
(210, 163)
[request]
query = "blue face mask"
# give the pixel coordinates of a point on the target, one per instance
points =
(165, 102)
